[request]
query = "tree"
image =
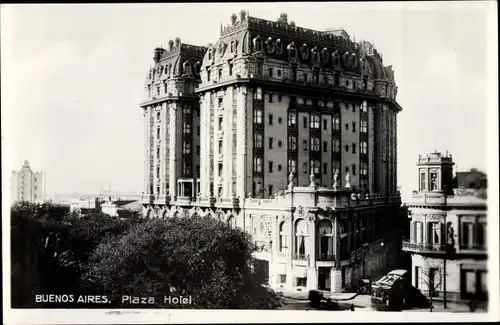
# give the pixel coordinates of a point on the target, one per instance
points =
(194, 256)
(51, 246)
(433, 278)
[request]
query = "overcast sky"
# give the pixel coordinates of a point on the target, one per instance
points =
(73, 76)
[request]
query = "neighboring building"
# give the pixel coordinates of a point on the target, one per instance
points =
(123, 209)
(447, 234)
(471, 179)
(27, 185)
(285, 114)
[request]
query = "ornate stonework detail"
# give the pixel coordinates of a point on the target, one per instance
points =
(311, 217)
(304, 52)
(270, 46)
(290, 179)
(346, 59)
(279, 47)
(348, 180)
(336, 184)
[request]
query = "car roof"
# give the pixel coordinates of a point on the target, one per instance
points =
(398, 272)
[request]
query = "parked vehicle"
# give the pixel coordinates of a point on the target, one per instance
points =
(320, 300)
(391, 291)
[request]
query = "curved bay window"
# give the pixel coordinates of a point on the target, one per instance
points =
(300, 239)
(325, 241)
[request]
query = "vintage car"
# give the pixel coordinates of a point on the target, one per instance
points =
(391, 291)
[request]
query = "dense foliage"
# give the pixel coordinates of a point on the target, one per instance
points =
(57, 252)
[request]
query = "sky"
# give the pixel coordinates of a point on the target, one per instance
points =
(73, 77)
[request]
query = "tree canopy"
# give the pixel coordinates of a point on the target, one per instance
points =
(195, 256)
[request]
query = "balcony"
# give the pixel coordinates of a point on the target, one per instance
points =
(185, 200)
(325, 257)
(300, 257)
(423, 247)
(231, 202)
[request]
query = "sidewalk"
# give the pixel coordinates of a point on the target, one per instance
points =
(452, 307)
(304, 295)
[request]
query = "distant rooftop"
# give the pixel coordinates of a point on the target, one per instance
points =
(337, 32)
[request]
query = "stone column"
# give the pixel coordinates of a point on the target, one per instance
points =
(290, 252)
(173, 150)
(241, 138)
(312, 276)
(146, 150)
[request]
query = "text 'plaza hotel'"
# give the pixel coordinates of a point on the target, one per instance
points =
(287, 133)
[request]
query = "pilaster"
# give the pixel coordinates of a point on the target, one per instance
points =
(173, 150)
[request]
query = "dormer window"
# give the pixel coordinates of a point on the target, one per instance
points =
(257, 44)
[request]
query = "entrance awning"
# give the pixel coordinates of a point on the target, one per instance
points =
(300, 272)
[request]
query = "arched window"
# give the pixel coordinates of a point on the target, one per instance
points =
(325, 241)
(300, 238)
(283, 245)
(231, 222)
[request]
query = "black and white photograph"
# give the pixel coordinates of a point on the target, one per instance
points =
(214, 162)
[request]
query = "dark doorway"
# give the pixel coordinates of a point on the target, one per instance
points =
(324, 279)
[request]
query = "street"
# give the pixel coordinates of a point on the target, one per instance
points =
(363, 303)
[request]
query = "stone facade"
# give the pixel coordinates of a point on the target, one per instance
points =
(27, 185)
(447, 239)
(297, 147)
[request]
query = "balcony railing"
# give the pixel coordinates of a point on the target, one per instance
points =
(300, 257)
(325, 257)
(423, 247)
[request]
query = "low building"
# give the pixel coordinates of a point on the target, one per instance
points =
(122, 208)
(447, 234)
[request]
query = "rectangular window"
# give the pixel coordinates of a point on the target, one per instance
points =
(271, 164)
(325, 124)
(270, 98)
(221, 123)
(258, 140)
(220, 74)
(325, 146)
(270, 190)
(157, 155)
(305, 145)
(353, 169)
(325, 168)
(257, 116)
(292, 142)
(364, 147)
(304, 120)
(353, 126)
(470, 281)
(231, 68)
(282, 278)
(364, 169)
(481, 235)
(186, 127)
(157, 172)
(316, 76)
(304, 168)
(422, 181)
(257, 164)
(315, 144)
(353, 148)
(305, 77)
(336, 123)
(270, 72)
(301, 282)
(158, 133)
(158, 115)
(364, 126)
(336, 145)
(315, 120)
(186, 148)
(221, 169)
(258, 68)
(271, 119)
(271, 140)
(467, 234)
(435, 233)
(292, 119)
(220, 102)
(292, 166)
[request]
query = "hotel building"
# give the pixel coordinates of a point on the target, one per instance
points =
(297, 147)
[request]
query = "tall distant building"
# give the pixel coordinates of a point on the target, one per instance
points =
(447, 234)
(286, 114)
(27, 185)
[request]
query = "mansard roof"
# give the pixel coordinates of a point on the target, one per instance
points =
(276, 36)
(172, 62)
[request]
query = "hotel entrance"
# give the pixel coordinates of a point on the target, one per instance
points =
(324, 278)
